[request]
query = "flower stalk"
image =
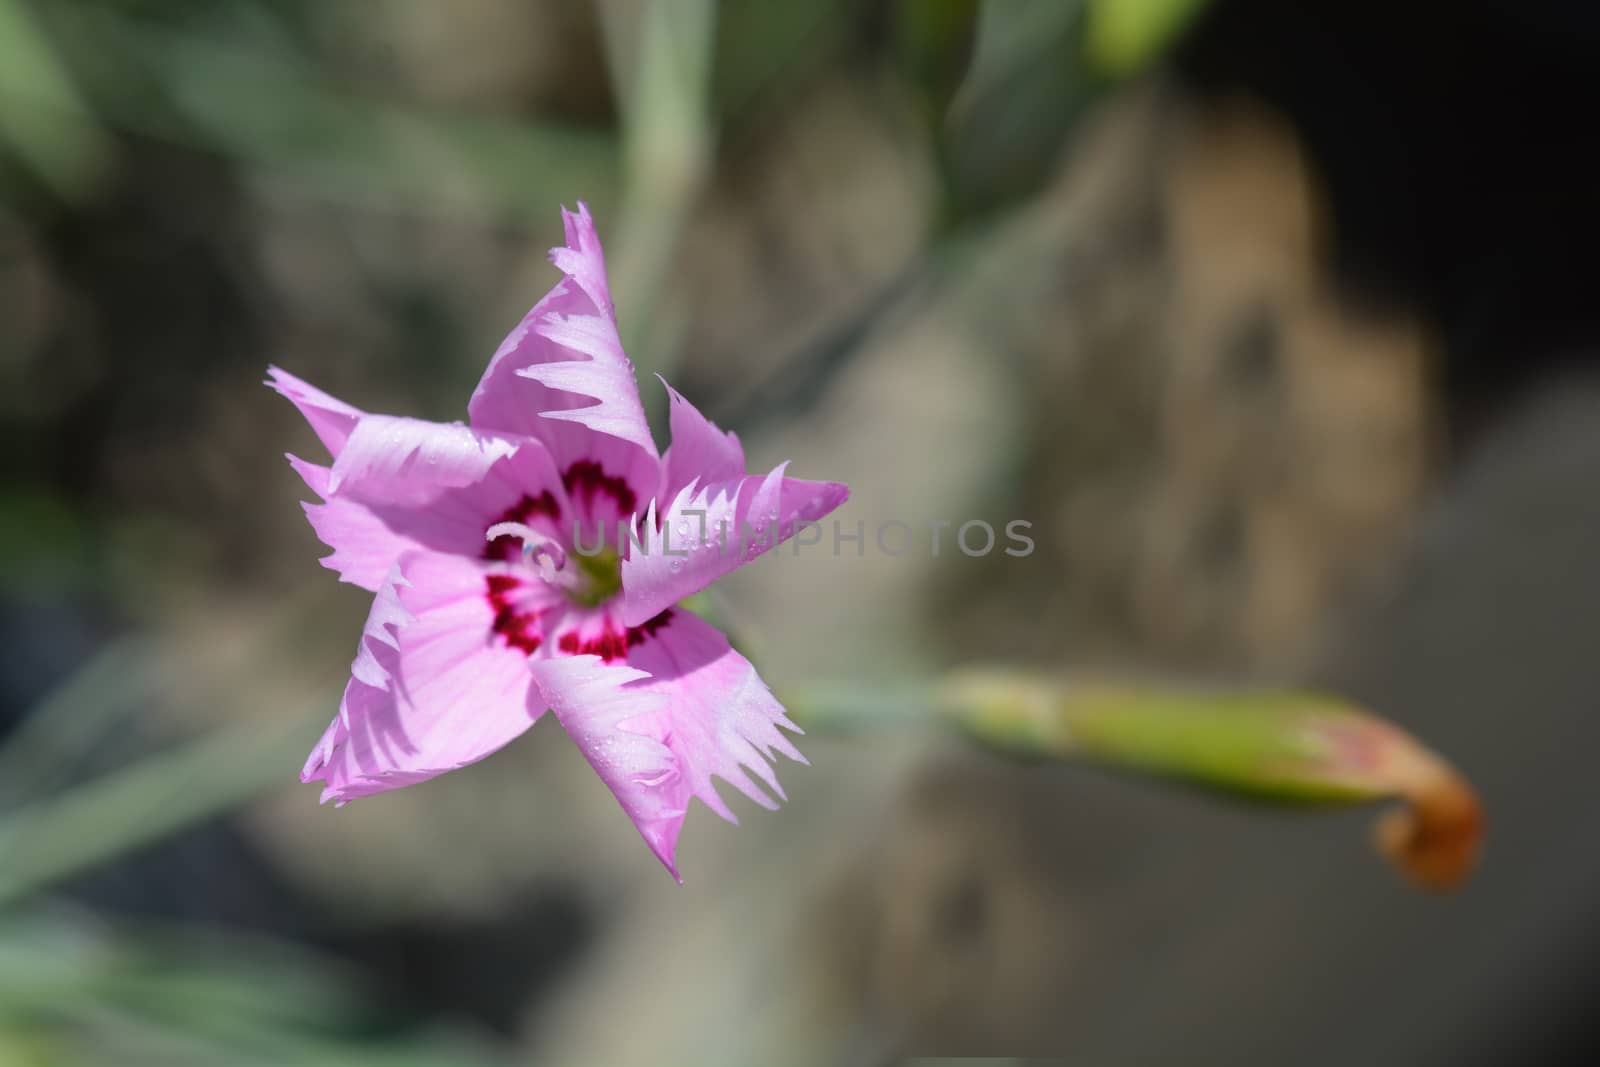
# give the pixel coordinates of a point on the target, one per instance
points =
(1292, 747)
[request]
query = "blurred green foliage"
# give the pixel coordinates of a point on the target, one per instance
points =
(1124, 35)
(79, 989)
(42, 116)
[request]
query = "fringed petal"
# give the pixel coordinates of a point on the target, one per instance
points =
(407, 486)
(430, 688)
(699, 451)
(562, 377)
(710, 530)
(720, 719)
(330, 418)
(618, 729)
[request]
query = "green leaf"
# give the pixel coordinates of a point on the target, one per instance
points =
(1024, 93)
(1125, 35)
(42, 116)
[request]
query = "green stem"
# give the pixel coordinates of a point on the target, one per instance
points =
(1281, 745)
(660, 57)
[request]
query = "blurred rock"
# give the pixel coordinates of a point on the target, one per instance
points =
(1224, 448)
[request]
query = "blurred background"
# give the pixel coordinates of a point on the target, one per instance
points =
(1275, 319)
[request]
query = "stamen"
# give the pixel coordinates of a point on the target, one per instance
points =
(544, 551)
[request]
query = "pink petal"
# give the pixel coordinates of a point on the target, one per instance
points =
(364, 546)
(430, 690)
(376, 515)
(720, 717)
(699, 450)
(617, 729)
(562, 377)
(399, 460)
(708, 531)
(685, 709)
(583, 260)
(332, 419)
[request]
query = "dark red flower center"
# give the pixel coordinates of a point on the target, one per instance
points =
(594, 578)
(520, 628)
(517, 627)
(611, 643)
(586, 479)
(509, 547)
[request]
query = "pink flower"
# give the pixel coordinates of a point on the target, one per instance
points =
(492, 603)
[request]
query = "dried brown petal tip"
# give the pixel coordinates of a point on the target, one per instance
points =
(1436, 838)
